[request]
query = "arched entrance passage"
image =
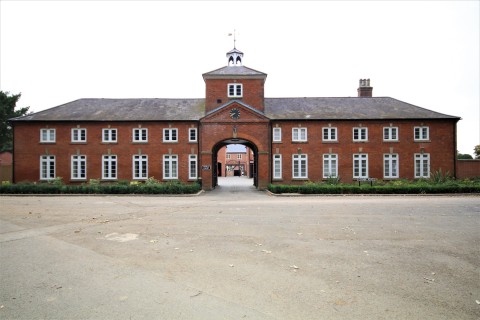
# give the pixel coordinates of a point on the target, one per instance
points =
(217, 167)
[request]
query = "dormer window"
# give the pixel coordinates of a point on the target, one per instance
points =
(235, 90)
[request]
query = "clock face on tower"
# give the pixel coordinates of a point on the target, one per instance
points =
(234, 113)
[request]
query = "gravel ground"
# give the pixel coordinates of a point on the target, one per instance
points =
(238, 253)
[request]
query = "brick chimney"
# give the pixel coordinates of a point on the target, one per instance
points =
(364, 89)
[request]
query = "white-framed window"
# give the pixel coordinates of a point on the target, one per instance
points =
(330, 165)
(109, 135)
(390, 165)
(300, 166)
(228, 156)
(170, 135)
(360, 165)
(79, 167)
(239, 156)
(140, 135)
(109, 167)
(192, 135)
(360, 134)
(299, 134)
(390, 134)
(422, 165)
(277, 134)
(170, 166)
(329, 134)
(421, 133)
(79, 135)
(140, 166)
(235, 90)
(277, 166)
(192, 167)
(47, 167)
(47, 135)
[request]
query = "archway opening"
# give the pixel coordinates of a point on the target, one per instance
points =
(235, 161)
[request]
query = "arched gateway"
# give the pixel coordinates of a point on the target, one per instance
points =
(218, 130)
(252, 162)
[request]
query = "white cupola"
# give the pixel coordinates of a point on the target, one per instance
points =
(234, 57)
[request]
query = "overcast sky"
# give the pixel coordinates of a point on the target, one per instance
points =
(423, 53)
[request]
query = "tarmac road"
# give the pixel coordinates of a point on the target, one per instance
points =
(238, 253)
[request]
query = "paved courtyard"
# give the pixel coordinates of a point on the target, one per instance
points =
(238, 253)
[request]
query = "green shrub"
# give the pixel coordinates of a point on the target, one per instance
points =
(58, 181)
(394, 187)
(440, 177)
(333, 180)
(123, 182)
(152, 181)
(94, 182)
(94, 188)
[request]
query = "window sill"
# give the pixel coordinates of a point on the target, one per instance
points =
(422, 141)
(170, 142)
(276, 141)
(300, 179)
(106, 142)
(327, 141)
(47, 142)
(391, 141)
(139, 142)
(193, 142)
(78, 142)
(300, 142)
(360, 141)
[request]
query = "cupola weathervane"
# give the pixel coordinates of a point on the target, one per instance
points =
(235, 56)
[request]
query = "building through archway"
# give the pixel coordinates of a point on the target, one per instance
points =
(234, 160)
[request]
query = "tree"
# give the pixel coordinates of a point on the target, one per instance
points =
(464, 156)
(476, 151)
(8, 104)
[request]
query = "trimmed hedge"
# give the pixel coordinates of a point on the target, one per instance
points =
(48, 188)
(320, 188)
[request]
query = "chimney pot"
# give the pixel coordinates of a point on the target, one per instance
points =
(364, 89)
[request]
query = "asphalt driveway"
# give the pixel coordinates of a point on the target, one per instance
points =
(238, 253)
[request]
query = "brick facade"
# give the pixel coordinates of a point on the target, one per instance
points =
(440, 147)
(216, 92)
(29, 149)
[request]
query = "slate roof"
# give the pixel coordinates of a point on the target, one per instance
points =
(234, 71)
(349, 108)
(194, 109)
(122, 110)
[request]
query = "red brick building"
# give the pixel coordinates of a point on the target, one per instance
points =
(235, 160)
(292, 139)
